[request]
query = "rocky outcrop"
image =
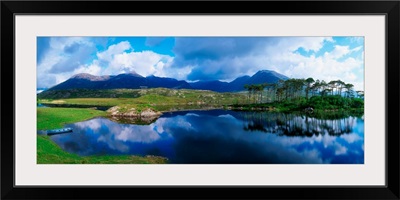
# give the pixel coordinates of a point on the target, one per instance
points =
(116, 111)
(132, 116)
(149, 113)
(113, 111)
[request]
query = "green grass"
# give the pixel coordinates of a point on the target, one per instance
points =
(51, 118)
(50, 153)
(160, 99)
(175, 94)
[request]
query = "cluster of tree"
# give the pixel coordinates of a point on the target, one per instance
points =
(256, 91)
(299, 88)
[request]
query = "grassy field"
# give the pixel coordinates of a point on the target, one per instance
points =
(182, 95)
(58, 117)
(49, 153)
(159, 99)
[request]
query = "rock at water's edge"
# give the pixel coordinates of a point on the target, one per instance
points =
(147, 113)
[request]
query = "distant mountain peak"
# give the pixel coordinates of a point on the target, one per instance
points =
(265, 70)
(133, 73)
(82, 75)
(90, 77)
(270, 72)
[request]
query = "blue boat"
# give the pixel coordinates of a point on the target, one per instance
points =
(59, 131)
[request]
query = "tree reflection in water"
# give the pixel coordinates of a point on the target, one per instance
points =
(296, 125)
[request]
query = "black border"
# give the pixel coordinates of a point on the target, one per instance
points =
(7, 70)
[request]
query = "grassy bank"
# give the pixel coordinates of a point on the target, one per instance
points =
(50, 153)
(58, 117)
(318, 103)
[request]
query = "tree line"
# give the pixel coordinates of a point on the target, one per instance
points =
(292, 89)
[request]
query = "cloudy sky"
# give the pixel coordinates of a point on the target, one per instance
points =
(201, 58)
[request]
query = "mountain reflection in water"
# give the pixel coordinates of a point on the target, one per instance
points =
(224, 137)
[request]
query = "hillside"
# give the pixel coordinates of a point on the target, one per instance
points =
(160, 99)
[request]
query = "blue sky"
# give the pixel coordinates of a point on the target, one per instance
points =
(201, 58)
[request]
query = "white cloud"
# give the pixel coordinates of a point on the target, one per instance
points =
(307, 43)
(338, 52)
(144, 63)
(283, 59)
(93, 69)
(113, 50)
(326, 67)
(357, 49)
(279, 55)
(120, 58)
(62, 58)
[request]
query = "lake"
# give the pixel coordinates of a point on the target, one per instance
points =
(223, 137)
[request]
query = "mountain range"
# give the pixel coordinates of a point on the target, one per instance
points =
(135, 81)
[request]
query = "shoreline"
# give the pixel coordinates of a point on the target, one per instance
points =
(242, 107)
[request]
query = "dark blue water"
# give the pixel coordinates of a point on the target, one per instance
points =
(221, 136)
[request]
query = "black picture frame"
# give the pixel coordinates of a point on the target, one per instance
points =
(9, 9)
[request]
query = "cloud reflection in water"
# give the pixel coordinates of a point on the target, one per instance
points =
(222, 137)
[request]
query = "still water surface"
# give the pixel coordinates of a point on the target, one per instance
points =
(220, 136)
